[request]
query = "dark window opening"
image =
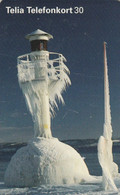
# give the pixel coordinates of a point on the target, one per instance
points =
(38, 45)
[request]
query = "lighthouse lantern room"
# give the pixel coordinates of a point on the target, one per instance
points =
(38, 40)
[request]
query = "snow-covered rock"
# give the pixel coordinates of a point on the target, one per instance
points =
(46, 161)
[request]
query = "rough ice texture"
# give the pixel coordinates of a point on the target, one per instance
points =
(42, 82)
(46, 161)
(53, 72)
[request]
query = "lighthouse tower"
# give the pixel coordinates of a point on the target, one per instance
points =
(42, 77)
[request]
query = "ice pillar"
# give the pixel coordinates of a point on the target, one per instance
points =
(107, 111)
(105, 156)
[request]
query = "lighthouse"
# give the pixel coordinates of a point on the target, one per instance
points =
(43, 77)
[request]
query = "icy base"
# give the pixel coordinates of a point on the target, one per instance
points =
(46, 161)
(80, 189)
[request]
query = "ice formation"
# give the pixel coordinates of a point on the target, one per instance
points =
(105, 156)
(46, 161)
(42, 81)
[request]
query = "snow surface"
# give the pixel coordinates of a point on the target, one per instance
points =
(46, 161)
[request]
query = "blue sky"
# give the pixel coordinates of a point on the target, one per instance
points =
(79, 37)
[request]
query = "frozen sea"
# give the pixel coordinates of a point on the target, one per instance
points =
(87, 149)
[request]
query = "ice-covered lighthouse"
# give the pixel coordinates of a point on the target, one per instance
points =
(42, 76)
(45, 160)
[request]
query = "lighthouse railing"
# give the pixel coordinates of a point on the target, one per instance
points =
(27, 57)
(54, 65)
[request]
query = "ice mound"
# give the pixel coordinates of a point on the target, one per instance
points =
(46, 161)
